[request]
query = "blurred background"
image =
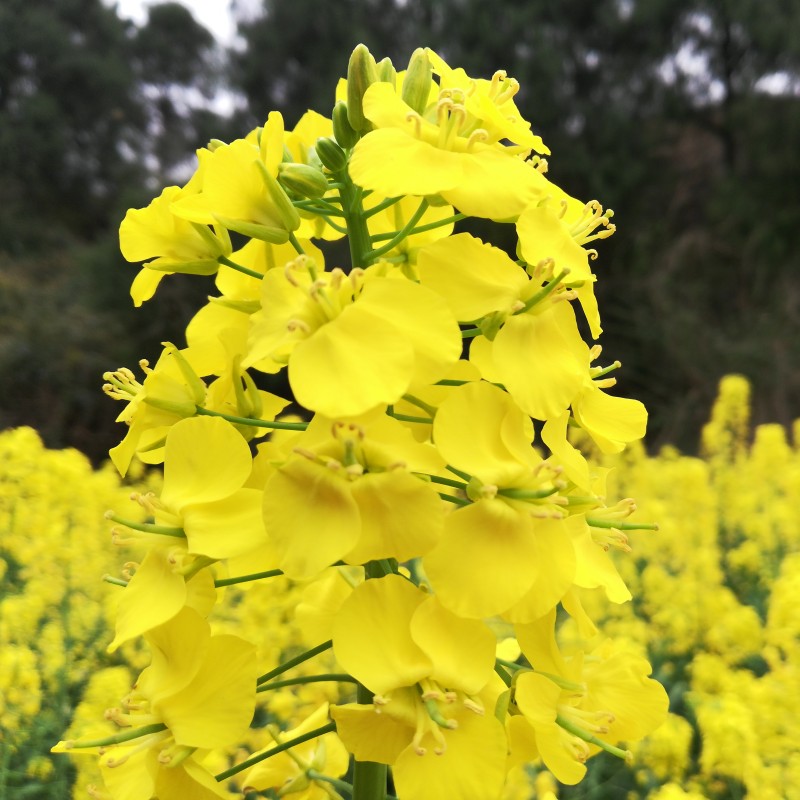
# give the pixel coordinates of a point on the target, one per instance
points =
(681, 115)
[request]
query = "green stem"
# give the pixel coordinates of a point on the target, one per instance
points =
(402, 234)
(409, 418)
(297, 246)
(384, 204)
(415, 401)
(459, 501)
(255, 576)
(341, 786)
(114, 581)
(369, 777)
(318, 207)
(504, 676)
(293, 662)
(355, 220)
(469, 333)
(256, 423)
(592, 739)
(147, 527)
(331, 726)
(543, 292)
(444, 481)
(239, 268)
(422, 228)
(338, 677)
(621, 526)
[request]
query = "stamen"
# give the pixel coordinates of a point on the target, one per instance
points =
(478, 135)
(412, 116)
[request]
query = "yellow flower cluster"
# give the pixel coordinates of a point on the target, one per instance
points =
(717, 593)
(428, 491)
(54, 615)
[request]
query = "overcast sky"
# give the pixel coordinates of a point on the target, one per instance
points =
(213, 14)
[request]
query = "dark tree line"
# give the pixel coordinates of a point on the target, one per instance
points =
(655, 107)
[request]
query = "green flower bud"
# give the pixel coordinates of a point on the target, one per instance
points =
(330, 154)
(303, 180)
(342, 129)
(417, 83)
(362, 72)
(386, 71)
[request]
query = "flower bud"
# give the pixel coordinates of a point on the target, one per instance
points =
(386, 71)
(362, 72)
(342, 130)
(330, 154)
(302, 179)
(417, 83)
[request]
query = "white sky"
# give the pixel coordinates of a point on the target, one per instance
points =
(213, 14)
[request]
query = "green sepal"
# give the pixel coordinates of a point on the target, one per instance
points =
(502, 705)
(197, 387)
(490, 325)
(245, 306)
(255, 231)
(164, 264)
(283, 205)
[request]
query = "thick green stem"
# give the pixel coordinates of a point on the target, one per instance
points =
(356, 222)
(369, 777)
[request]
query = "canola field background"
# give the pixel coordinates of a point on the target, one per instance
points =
(716, 609)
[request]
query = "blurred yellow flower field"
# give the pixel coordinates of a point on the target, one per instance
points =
(717, 592)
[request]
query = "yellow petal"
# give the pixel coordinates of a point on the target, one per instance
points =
(556, 573)
(486, 561)
(611, 421)
(189, 781)
(310, 517)
(370, 736)
(494, 450)
(154, 595)
(474, 278)
(472, 767)
(462, 650)
(371, 637)
(206, 459)
(216, 707)
(394, 162)
(422, 318)
(351, 365)
(542, 368)
(226, 528)
(401, 516)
